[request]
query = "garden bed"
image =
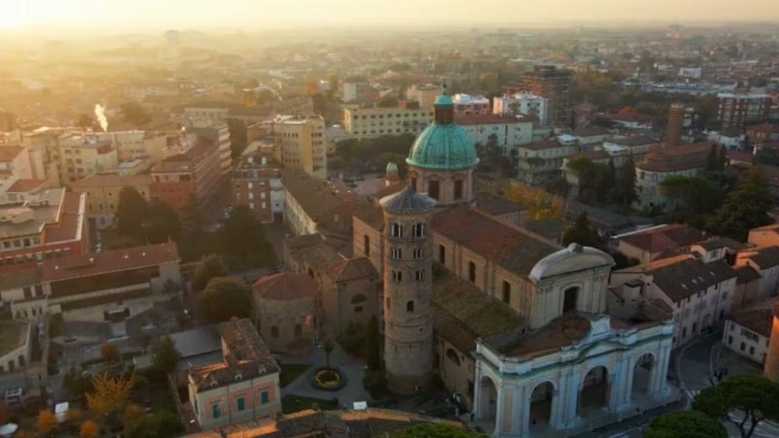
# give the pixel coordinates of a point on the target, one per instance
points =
(328, 379)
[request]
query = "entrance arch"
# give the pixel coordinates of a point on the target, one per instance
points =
(488, 403)
(594, 393)
(642, 376)
(541, 400)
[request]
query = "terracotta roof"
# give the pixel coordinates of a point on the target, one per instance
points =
(660, 239)
(496, 205)
(26, 185)
(352, 269)
(756, 320)
(78, 266)
(9, 153)
(286, 286)
(71, 221)
(561, 332)
(513, 249)
(486, 119)
(686, 275)
(245, 357)
(111, 180)
(676, 158)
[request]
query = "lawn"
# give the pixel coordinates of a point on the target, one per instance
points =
(291, 371)
(294, 403)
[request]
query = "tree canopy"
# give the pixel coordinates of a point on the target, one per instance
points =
(244, 239)
(686, 424)
(131, 212)
(161, 424)
(225, 298)
(210, 267)
(165, 355)
(744, 208)
(582, 232)
(745, 401)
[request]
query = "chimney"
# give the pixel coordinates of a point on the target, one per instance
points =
(673, 133)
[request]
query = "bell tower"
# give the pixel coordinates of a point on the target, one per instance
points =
(408, 290)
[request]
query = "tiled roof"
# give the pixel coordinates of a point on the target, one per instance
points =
(664, 238)
(26, 185)
(549, 143)
(71, 220)
(496, 205)
(285, 286)
(766, 257)
(676, 158)
(746, 274)
(561, 332)
(515, 250)
(756, 320)
(352, 269)
(590, 131)
(77, 266)
(112, 180)
(684, 276)
(9, 153)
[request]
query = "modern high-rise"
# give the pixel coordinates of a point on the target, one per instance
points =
(299, 143)
(408, 290)
(553, 83)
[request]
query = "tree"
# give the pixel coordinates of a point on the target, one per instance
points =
(744, 208)
(626, 184)
(691, 198)
(238, 136)
(373, 344)
(745, 401)
(162, 223)
(161, 424)
(210, 267)
(436, 430)
(225, 298)
(132, 414)
(89, 429)
(165, 355)
(77, 383)
(85, 121)
(134, 113)
(110, 393)
(769, 156)
(328, 347)
(244, 239)
(109, 353)
(582, 232)
(716, 159)
(686, 424)
(131, 213)
(46, 422)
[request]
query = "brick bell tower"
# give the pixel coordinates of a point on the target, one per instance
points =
(408, 290)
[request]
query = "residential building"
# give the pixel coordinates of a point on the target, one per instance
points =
(300, 143)
(647, 244)
(136, 144)
(372, 122)
(14, 164)
(663, 162)
(81, 156)
(243, 387)
(635, 147)
(43, 223)
(736, 110)
(102, 192)
(764, 260)
(467, 105)
(194, 175)
(522, 104)
(256, 184)
(285, 306)
(554, 84)
(761, 134)
(109, 286)
(218, 134)
(540, 163)
(16, 338)
(504, 132)
(206, 115)
(748, 332)
(424, 95)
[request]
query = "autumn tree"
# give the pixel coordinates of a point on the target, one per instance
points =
(744, 208)
(46, 422)
(110, 394)
(110, 353)
(89, 429)
(210, 267)
(225, 298)
(745, 401)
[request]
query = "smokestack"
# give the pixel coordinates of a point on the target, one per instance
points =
(101, 118)
(673, 133)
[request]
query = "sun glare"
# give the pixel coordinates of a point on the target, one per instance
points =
(11, 16)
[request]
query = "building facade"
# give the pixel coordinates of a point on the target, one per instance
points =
(554, 84)
(300, 143)
(103, 194)
(738, 109)
(256, 184)
(372, 122)
(467, 105)
(522, 103)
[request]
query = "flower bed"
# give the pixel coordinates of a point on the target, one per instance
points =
(328, 379)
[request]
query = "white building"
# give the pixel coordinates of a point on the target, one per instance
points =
(467, 105)
(506, 132)
(582, 369)
(522, 103)
(748, 332)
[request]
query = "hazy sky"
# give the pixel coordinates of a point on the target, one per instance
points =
(251, 13)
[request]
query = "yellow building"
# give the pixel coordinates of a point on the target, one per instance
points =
(103, 194)
(300, 143)
(365, 123)
(81, 156)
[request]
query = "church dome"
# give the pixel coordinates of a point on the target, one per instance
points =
(443, 145)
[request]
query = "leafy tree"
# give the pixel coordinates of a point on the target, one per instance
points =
(77, 383)
(162, 424)
(745, 401)
(691, 197)
(436, 430)
(225, 298)
(135, 113)
(210, 267)
(109, 353)
(46, 422)
(744, 208)
(132, 414)
(625, 188)
(328, 347)
(110, 394)
(373, 344)
(716, 159)
(89, 429)
(238, 136)
(244, 238)
(162, 223)
(596, 180)
(582, 232)
(165, 355)
(131, 213)
(686, 424)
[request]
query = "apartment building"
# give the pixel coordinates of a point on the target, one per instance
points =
(738, 109)
(131, 145)
(554, 84)
(256, 184)
(14, 164)
(300, 143)
(363, 123)
(522, 104)
(103, 194)
(505, 132)
(467, 105)
(218, 134)
(194, 175)
(81, 156)
(748, 333)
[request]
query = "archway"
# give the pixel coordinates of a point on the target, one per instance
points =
(488, 404)
(642, 376)
(594, 394)
(541, 406)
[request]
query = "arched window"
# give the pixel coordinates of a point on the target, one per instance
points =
(366, 243)
(453, 356)
(396, 230)
(506, 292)
(419, 230)
(472, 272)
(410, 306)
(433, 189)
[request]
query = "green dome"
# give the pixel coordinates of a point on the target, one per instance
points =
(443, 146)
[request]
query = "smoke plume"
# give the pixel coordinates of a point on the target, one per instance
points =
(101, 118)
